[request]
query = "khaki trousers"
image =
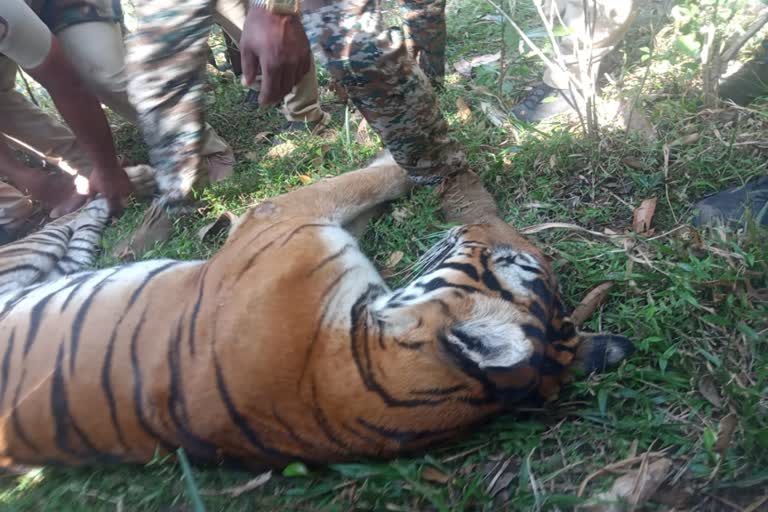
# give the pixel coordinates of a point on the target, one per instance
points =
(28, 128)
(609, 21)
(15, 208)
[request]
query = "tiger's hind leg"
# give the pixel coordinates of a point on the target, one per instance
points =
(66, 245)
(344, 198)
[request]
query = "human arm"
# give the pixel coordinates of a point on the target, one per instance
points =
(274, 41)
(82, 112)
(25, 39)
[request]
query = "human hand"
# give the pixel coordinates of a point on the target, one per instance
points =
(114, 185)
(278, 45)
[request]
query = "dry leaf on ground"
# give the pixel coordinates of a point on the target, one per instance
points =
(503, 482)
(725, 431)
(261, 137)
(635, 121)
(361, 135)
(431, 474)
(635, 487)
(709, 391)
(401, 214)
(535, 205)
(224, 221)
(464, 112)
(633, 163)
(493, 18)
(643, 217)
(493, 485)
(495, 115)
(239, 490)
(589, 304)
(306, 180)
(281, 150)
(394, 259)
(625, 116)
(686, 139)
(464, 66)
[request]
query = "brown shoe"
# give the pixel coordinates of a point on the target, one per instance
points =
(465, 200)
(155, 227)
(220, 166)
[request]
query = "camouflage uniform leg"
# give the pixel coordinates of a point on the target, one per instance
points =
(391, 92)
(425, 34)
(166, 72)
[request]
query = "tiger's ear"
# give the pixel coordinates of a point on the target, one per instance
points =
(490, 343)
(601, 352)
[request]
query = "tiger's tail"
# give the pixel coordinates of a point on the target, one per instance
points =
(67, 245)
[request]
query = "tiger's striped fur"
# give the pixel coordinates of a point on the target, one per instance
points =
(286, 345)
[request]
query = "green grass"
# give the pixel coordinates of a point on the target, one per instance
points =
(695, 303)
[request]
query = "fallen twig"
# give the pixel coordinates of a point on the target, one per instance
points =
(590, 303)
(537, 228)
(239, 490)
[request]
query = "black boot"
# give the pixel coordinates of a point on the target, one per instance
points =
(729, 207)
(251, 99)
(749, 82)
(541, 103)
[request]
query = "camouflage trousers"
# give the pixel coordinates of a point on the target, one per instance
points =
(425, 34)
(166, 74)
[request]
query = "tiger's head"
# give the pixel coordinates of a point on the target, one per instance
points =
(487, 300)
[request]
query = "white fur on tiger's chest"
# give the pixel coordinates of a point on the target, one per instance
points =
(359, 271)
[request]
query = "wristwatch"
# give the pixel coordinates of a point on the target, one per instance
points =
(286, 7)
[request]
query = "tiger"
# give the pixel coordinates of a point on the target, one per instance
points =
(286, 345)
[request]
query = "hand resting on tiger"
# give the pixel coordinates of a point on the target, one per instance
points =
(286, 345)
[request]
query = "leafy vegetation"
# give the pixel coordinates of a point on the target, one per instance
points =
(694, 301)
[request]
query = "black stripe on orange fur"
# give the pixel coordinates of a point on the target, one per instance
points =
(37, 313)
(360, 339)
(15, 420)
(138, 381)
(196, 309)
(6, 368)
(177, 403)
(79, 320)
(239, 419)
(64, 423)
